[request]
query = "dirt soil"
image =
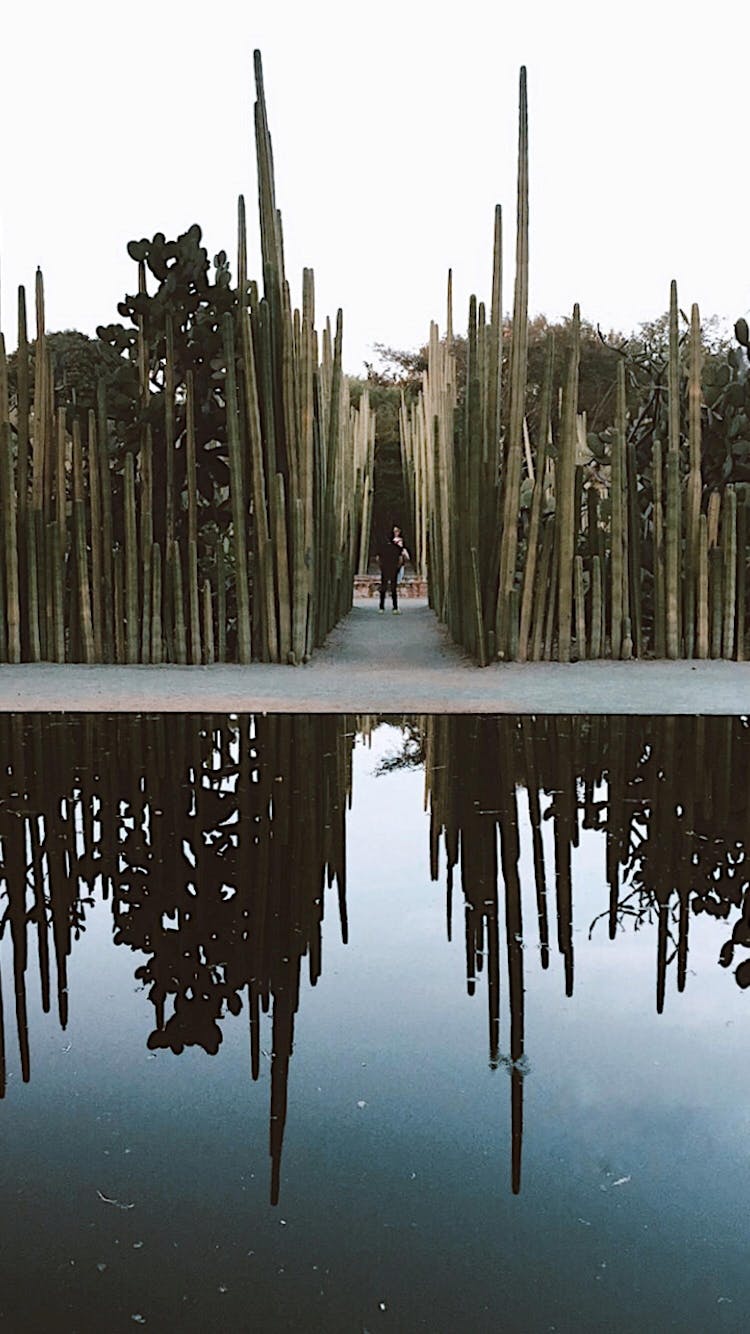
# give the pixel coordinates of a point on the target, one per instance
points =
(373, 663)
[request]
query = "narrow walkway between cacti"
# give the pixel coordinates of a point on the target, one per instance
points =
(384, 664)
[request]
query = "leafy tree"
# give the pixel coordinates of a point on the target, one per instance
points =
(78, 362)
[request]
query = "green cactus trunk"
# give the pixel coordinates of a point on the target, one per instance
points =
(695, 481)
(169, 430)
(729, 553)
(118, 569)
(236, 489)
(532, 544)
(95, 506)
(673, 542)
(634, 552)
(81, 550)
(132, 619)
(58, 550)
(102, 435)
(580, 609)
(597, 618)
(741, 578)
(619, 517)
(208, 624)
(221, 604)
(263, 556)
(34, 641)
(702, 592)
(196, 652)
(282, 570)
(552, 600)
(518, 360)
(566, 480)
(178, 605)
(23, 406)
(542, 590)
(10, 552)
(146, 497)
(480, 650)
(716, 597)
(157, 638)
(660, 637)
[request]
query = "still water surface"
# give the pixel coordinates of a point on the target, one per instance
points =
(337, 1024)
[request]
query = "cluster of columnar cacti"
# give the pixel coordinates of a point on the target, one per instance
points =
(105, 556)
(532, 552)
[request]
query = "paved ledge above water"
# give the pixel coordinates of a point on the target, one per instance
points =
(374, 663)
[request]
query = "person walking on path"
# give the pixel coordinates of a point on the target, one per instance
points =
(392, 555)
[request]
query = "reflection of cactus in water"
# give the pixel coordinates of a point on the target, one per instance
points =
(670, 796)
(217, 873)
(215, 840)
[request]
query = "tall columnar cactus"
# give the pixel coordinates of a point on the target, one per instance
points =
(132, 619)
(619, 521)
(634, 551)
(694, 482)
(741, 578)
(81, 550)
(95, 507)
(518, 358)
(495, 351)
(702, 592)
(238, 515)
(10, 546)
(660, 634)
(532, 544)
(729, 550)
(22, 415)
(673, 556)
(567, 520)
(105, 477)
(673, 523)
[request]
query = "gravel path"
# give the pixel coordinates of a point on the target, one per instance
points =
(384, 664)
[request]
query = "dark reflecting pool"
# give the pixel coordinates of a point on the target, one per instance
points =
(347, 1024)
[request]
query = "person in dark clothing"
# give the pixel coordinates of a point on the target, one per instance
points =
(392, 554)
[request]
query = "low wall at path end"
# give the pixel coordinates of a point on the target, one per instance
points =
(368, 586)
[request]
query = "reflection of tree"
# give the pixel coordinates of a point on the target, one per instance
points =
(214, 841)
(410, 754)
(671, 797)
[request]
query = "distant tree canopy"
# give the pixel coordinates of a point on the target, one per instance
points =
(78, 362)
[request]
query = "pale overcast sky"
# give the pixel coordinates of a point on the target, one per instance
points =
(394, 127)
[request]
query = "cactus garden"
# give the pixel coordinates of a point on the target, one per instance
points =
(559, 543)
(207, 499)
(206, 494)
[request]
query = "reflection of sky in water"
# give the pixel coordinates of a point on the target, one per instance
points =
(395, 1185)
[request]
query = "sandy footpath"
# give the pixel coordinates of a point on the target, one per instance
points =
(374, 663)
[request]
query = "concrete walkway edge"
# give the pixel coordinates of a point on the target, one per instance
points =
(384, 664)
